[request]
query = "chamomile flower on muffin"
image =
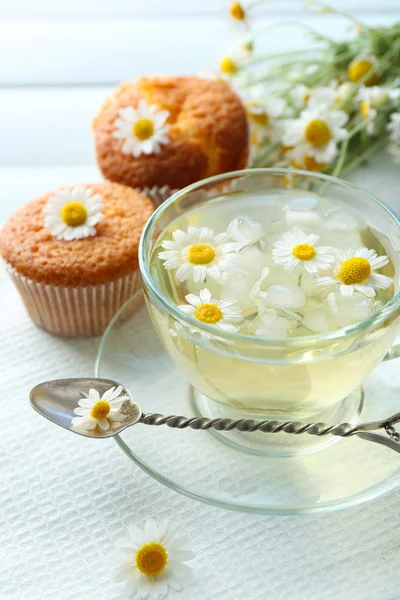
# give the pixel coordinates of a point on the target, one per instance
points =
(170, 131)
(73, 255)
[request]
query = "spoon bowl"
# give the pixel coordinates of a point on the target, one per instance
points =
(56, 400)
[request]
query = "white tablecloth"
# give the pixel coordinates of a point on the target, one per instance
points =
(64, 500)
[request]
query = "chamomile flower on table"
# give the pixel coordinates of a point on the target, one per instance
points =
(370, 99)
(265, 114)
(221, 313)
(71, 215)
(144, 129)
(94, 410)
(198, 254)
(363, 69)
(238, 13)
(316, 133)
(297, 248)
(356, 271)
(152, 561)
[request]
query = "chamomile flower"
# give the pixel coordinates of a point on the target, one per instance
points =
(300, 95)
(73, 214)
(316, 132)
(299, 249)
(356, 271)
(370, 99)
(144, 129)
(152, 560)
(94, 410)
(363, 69)
(394, 128)
(264, 113)
(199, 254)
(221, 313)
(238, 15)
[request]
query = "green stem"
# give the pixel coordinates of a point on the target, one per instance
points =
(364, 156)
(344, 146)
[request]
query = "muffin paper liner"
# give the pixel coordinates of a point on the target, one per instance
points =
(157, 194)
(75, 311)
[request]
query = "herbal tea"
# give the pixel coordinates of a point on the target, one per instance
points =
(279, 264)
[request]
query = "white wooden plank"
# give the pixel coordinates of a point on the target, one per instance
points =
(48, 126)
(46, 8)
(92, 52)
(24, 183)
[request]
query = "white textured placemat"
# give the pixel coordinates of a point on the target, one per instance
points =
(65, 499)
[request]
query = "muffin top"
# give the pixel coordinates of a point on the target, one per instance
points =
(170, 131)
(39, 240)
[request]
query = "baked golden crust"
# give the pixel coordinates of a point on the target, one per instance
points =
(28, 247)
(208, 132)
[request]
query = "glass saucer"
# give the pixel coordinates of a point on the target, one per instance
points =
(201, 466)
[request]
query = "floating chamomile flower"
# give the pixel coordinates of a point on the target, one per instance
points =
(316, 132)
(199, 254)
(356, 271)
(206, 309)
(94, 410)
(144, 129)
(71, 215)
(394, 128)
(152, 560)
(299, 249)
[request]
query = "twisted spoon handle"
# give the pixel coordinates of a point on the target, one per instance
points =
(342, 430)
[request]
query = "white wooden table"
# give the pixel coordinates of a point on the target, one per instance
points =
(64, 500)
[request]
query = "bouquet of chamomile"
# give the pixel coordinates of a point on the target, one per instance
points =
(327, 108)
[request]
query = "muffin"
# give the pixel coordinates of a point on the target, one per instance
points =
(170, 131)
(73, 255)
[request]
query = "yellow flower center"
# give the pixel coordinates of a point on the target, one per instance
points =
(208, 313)
(151, 559)
(358, 69)
(100, 410)
(201, 254)
(259, 117)
(318, 133)
(74, 214)
(312, 165)
(237, 11)
(354, 270)
(143, 129)
(228, 66)
(304, 252)
(364, 109)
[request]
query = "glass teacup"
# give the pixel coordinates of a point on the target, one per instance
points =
(307, 378)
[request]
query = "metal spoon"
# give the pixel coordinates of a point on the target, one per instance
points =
(56, 401)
